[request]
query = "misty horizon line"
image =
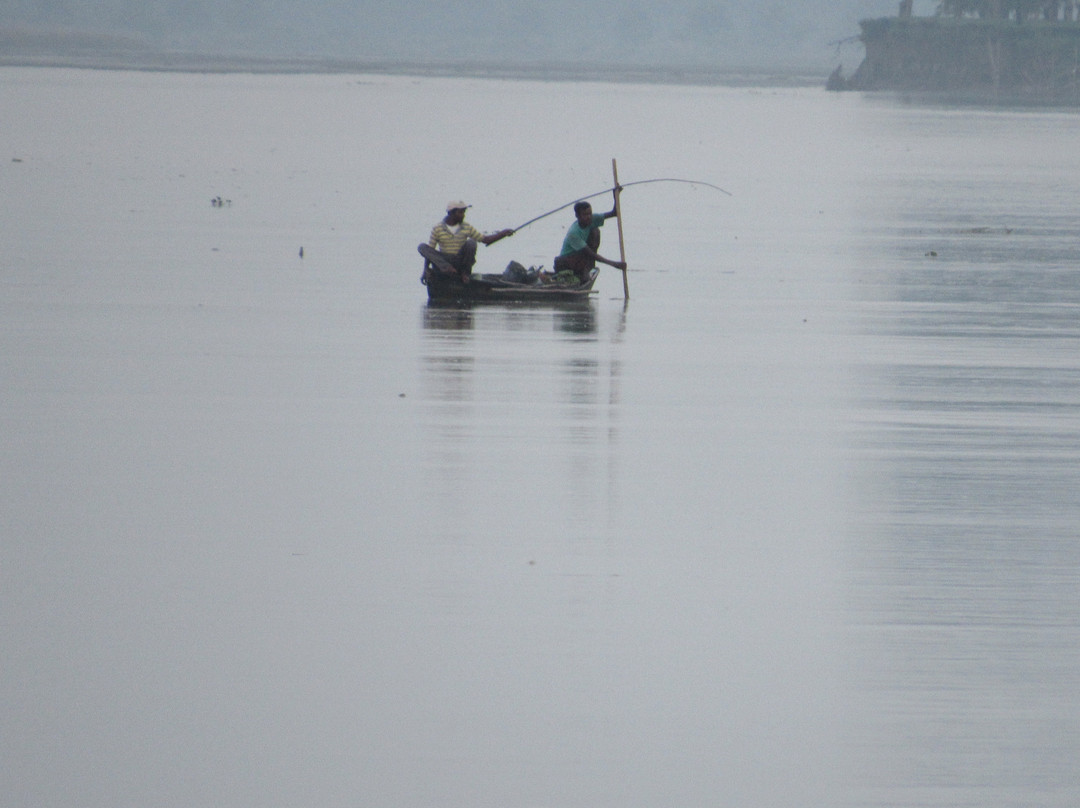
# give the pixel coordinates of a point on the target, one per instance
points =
(722, 37)
(78, 49)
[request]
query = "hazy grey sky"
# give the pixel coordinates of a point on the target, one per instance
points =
(724, 33)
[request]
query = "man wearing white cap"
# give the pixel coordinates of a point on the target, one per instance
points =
(451, 249)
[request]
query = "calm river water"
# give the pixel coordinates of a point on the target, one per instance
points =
(796, 525)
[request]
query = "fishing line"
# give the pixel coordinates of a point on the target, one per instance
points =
(609, 190)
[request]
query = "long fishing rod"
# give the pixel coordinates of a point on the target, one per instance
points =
(609, 190)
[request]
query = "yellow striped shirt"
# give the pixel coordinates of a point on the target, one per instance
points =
(449, 242)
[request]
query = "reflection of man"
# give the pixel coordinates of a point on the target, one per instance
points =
(451, 249)
(579, 249)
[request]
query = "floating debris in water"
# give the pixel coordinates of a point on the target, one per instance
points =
(218, 202)
(983, 231)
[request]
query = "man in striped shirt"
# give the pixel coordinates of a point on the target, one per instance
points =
(451, 249)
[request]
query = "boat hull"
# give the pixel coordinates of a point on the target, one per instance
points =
(495, 288)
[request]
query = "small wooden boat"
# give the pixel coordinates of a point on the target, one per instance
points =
(500, 288)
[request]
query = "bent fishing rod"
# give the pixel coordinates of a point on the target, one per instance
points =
(609, 190)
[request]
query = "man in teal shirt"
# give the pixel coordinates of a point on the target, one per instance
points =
(579, 250)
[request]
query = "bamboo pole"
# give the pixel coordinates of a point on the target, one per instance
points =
(618, 218)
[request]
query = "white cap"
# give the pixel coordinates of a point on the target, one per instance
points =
(456, 205)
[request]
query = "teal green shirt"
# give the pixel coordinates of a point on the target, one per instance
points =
(577, 236)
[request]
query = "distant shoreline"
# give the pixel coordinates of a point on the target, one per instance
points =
(152, 61)
(998, 61)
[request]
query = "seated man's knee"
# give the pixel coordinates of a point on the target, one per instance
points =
(466, 257)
